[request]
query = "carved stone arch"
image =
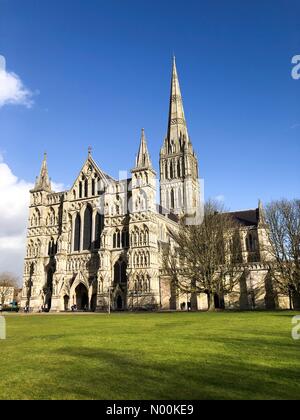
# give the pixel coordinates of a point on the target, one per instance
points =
(51, 217)
(79, 279)
(36, 218)
(119, 298)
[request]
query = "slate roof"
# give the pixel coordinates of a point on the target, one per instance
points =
(246, 217)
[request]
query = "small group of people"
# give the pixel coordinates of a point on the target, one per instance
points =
(26, 309)
(74, 308)
(189, 306)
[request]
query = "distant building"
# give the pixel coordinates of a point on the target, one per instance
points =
(78, 255)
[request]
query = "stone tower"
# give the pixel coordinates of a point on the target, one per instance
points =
(179, 177)
(37, 241)
(144, 286)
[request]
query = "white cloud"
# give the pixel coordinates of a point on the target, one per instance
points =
(220, 198)
(12, 89)
(57, 186)
(14, 203)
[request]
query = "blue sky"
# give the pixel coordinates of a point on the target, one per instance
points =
(100, 71)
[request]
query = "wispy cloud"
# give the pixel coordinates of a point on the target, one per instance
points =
(12, 89)
(295, 126)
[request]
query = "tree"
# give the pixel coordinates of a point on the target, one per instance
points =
(282, 249)
(7, 281)
(204, 258)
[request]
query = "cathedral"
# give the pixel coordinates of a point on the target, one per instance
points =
(99, 245)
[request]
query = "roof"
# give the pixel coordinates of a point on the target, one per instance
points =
(246, 217)
(165, 212)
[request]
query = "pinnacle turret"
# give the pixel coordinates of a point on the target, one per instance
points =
(143, 160)
(43, 182)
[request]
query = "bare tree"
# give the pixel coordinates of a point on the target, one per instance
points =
(282, 250)
(204, 258)
(7, 281)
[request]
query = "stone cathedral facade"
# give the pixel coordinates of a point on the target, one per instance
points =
(100, 243)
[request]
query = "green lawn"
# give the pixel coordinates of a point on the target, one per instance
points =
(150, 356)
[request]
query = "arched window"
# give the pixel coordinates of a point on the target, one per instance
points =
(146, 236)
(124, 239)
(86, 188)
(166, 170)
(117, 273)
(171, 171)
(99, 225)
(74, 195)
(87, 231)
(172, 197)
(77, 233)
(118, 239)
(99, 186)
(123, 272)
(251, 243)
(115, 240)
(178, 169)
(80, 189)
(93, 187)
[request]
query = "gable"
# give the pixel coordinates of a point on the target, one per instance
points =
(93, 175)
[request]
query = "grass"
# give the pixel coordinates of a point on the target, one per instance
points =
(150, 356)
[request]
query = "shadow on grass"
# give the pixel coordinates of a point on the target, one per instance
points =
(102, 374)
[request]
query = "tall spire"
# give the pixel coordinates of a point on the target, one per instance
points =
(43, 182)
(143, 160)
(177, 124)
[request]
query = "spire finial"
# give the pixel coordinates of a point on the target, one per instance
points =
(90, 150)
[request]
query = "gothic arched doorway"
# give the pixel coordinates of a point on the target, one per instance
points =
(119, 303)
(82, 297)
